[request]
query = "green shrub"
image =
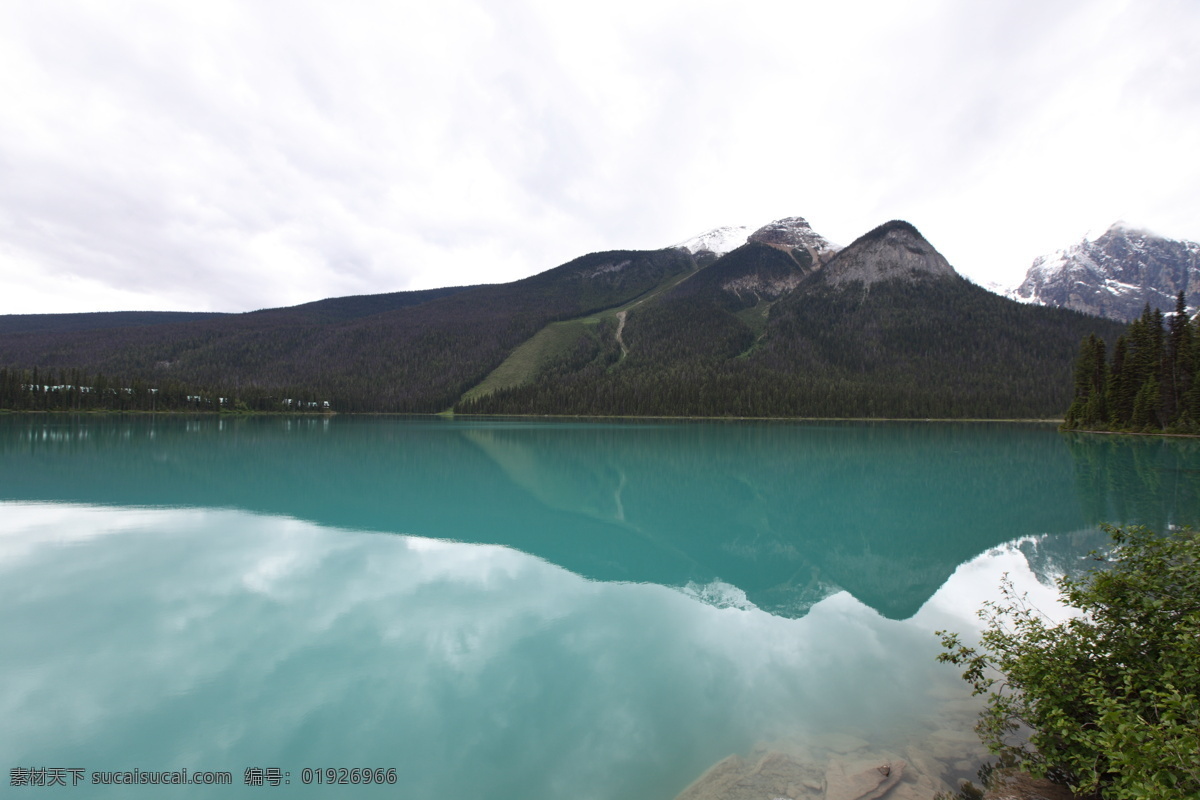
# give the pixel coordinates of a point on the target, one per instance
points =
(1108, 701)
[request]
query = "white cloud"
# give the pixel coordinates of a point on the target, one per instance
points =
(227, 156)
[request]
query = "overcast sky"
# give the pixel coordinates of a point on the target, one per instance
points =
(235, 155)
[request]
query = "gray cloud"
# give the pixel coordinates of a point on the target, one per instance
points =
(230, 156)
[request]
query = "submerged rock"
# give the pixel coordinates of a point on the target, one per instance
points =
(774, 775)
(778, 776)
(867, 784)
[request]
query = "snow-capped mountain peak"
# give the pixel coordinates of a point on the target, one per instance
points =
(718, 241)
(788, 233)
(793, 232)
(1116, 274)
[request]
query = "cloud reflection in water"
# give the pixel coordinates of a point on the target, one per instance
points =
(217, 639)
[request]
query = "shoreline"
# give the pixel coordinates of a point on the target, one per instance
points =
(451, 415)
(1134, 433)
(454, 415)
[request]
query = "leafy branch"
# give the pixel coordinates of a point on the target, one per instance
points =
(1107, 701)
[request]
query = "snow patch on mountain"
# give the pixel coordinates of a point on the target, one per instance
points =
(999, 288)
(719, 594)
(610, 267)
(718, 241)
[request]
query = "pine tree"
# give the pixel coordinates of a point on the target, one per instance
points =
(1179, 361)
(1121, 387)
(1146, 406)
(1088, 409)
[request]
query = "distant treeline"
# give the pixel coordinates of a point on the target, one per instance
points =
(73, 390)
(1152, 382)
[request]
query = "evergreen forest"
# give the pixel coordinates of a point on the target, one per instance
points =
(1151, 383)
(941, 349)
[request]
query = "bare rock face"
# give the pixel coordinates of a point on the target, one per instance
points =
(791, 232)
(1116, 274)
(894, 250)
(795, 235)
(762, 287)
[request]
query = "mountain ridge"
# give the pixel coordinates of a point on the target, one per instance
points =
(782, 325)
(896, 332)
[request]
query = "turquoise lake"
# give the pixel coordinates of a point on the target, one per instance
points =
(524, 609)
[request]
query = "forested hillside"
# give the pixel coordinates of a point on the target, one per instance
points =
(884, 328)
(413, 358)
(935, 348)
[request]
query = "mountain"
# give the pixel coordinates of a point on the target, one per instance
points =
(884, 328)
(893, 251)
(766, 264)
(790, 234)
(1116, 274)
(782, 324)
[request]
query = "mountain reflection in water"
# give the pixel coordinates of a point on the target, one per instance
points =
(783, 514)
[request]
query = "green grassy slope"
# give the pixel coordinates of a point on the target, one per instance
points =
(556, 341)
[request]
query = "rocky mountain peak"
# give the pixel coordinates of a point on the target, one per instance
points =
(1116, 274)
(794, 233)
(789, 234)
(894, 250)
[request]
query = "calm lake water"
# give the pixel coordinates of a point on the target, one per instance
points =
(512, 609)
